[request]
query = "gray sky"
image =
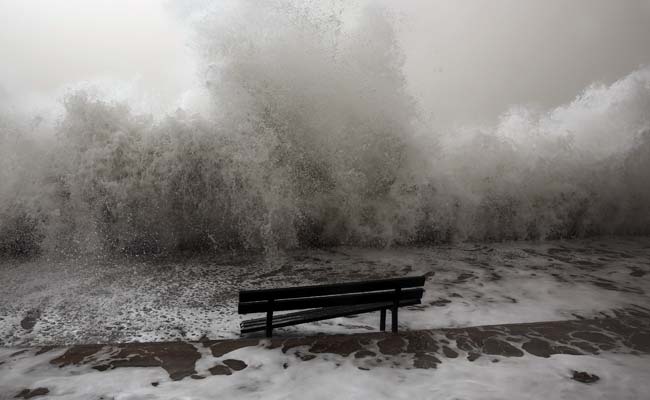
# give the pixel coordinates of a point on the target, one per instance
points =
(467, 61)
(133, 48)
(472, 59)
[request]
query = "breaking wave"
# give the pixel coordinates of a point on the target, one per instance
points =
(314, 140)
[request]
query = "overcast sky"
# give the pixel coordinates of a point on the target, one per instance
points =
(471, 59)
(467, 61)
(137, 46)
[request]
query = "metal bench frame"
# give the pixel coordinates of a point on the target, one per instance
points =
(321, 302)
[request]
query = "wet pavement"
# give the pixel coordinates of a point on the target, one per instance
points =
(626, 333)
(66, 302)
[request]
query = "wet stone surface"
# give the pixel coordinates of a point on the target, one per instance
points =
(363, 354)
(628, 332)
(177, 358)
(585, 377)
(425, 361)
(28, 394)
(220, 370)
(235, 365)
(221, 347)
(65, 302)
(30, 319)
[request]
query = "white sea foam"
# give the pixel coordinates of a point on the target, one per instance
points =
(271, 374)
(313, 139)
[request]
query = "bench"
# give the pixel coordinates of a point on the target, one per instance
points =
(320, 302)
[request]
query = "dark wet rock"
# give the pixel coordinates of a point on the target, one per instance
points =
(584, 346)
(28, 394)
(638, 273)
(291, 343)
(425, 361)
(553, 331)
(593, 337)
(235, 365)
(306, 357)
(538, 347)
(364, 354)
(419, 340)
(44, 349)
(440, 302)
(204, 339)
(343, 345)
(566, 350)
(195, 376)
(639, 341)
(473, 356)
(391, 345)
(465, 343)
(556, 250)
(177, 358)
(464, 277)
(220, 370)
(221, 347)
(606, 285)
(472, 339)
(585, 377)
(154, 384)
(19, 352)
(606, 346)
(30, 319)
(495, 277)
(498, 347)
(586, 263)
(636, 310)
(449, 353)
(76, 355)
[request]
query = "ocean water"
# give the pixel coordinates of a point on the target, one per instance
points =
(312, 139)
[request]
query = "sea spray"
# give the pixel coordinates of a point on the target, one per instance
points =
(314, 140)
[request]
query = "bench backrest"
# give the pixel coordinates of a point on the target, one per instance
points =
(341, 294)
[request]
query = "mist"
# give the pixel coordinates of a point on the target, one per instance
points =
(188, 126)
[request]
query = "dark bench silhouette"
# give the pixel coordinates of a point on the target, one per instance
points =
(320, 302)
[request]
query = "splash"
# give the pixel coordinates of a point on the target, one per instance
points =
(313, 140)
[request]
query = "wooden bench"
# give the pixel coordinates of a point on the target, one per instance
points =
(320, 302)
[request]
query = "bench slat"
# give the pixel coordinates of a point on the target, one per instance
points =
(332, 289)
(313, 312)
(279, 321)
(328, 301)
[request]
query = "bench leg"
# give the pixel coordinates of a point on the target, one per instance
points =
(269, 323)
(393, 313)
(382, 319)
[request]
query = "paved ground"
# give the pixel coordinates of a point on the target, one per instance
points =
(627, 333)
(66, 302)
(169, 327)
